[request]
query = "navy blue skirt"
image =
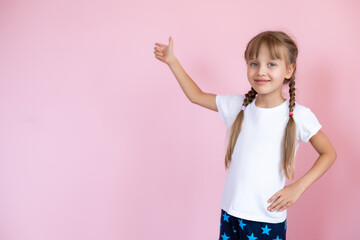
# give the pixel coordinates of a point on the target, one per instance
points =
(233, 228)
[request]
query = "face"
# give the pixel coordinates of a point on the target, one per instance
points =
(272, 71)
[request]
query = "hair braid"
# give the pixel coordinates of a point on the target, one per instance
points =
(236, 127)
(249, 97)
(290, 135)
(292, 93)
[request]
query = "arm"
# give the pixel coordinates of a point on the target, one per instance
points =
(291, 193)
(191, 90)
(186, 83)
(165, 54)
(327, 157)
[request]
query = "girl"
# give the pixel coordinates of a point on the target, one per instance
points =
(264, 130)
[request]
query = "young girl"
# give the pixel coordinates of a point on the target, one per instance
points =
(263, 131)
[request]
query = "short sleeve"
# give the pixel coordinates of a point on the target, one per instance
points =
(228, 107)
(308, 125)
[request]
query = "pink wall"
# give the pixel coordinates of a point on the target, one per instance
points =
(98, 141)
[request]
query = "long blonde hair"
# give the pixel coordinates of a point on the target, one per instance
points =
(274, 40)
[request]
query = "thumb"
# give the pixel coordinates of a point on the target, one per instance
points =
(170, 42)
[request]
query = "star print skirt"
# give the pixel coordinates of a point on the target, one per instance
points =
(233, 228)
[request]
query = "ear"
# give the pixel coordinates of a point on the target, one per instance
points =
(290, 70)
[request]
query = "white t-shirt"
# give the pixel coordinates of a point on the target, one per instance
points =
(255, 172)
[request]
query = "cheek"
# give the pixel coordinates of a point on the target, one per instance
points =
(249, 76)
(250, 72)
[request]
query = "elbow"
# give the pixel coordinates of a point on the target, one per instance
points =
(193, 99)
(335, 155)
(330, 155)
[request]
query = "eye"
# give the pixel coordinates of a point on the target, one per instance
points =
(270, 64)
(274, 64)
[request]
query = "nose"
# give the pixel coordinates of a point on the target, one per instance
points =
(261, 70)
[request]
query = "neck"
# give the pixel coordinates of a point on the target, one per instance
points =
(265, 101)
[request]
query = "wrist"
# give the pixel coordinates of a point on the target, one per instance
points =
(172, 62)
(301, 185)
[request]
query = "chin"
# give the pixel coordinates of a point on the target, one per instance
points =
(261, 91)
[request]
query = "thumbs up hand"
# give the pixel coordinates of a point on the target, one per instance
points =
(165, 52)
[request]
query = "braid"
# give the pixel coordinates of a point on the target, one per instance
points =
(236, 127)
(249, 97)
(290, 135)
(292, 93)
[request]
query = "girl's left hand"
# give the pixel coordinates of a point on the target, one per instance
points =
(286, 197)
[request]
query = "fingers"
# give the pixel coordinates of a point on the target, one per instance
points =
(274, 197)
(160, 44)
(158, 48)
(160, 58)
(160, 54)
(284, 207)
(278, 202)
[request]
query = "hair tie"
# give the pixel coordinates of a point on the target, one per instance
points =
(243, 107)
(291, 114)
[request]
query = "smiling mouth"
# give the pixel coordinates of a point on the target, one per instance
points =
(261, 80)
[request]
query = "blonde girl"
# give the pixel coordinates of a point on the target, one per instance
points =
(264, 130)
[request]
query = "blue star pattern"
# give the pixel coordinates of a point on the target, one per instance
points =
(226, 217)
(241, 224)
(224, 237)
(250, 230)
(252, 237)
(266, 230)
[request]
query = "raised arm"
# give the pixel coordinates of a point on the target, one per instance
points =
(165, 54)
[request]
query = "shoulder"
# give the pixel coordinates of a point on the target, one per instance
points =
(306, 121)
(229, 106)
(301, 112)
(230, 97)
(300, 109)
(229, 103)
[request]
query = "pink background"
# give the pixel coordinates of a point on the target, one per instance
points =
(98, 141)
